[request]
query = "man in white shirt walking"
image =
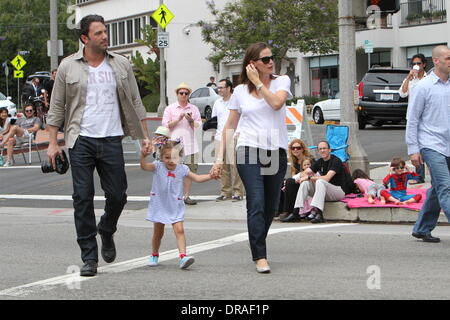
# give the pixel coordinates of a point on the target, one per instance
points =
(96, 96)
(231, 183)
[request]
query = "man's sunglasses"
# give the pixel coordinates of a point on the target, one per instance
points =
(184, 93)
(28, 111)
(265, 60)
(296, 148)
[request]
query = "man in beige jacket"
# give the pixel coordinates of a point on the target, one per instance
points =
(96, 96)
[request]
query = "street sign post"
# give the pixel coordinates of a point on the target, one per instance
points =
(18, 62)
(18, 74)
(368, 48)
(163, 39)
(162, 16)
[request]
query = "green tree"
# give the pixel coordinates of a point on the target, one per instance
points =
(147, 72)
(26, 26)
(299, 25)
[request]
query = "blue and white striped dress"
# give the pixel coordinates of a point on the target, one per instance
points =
(166, 198)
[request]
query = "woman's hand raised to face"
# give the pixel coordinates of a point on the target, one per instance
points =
(252, 74)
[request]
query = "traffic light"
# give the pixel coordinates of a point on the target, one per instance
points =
(391, 6)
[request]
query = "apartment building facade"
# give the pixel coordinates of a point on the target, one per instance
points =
(416, 28)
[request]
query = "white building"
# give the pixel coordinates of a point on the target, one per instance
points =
(186, 55)
(417, 28)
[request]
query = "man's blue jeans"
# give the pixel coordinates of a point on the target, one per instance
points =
(262, 173)
(105, 155)
(438, 196)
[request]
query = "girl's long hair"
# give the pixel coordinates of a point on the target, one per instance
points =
(2, 122)
(359, 174)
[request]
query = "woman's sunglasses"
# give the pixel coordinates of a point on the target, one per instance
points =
(296, 148)
(416, 63)
(265, 60)
(399, 168)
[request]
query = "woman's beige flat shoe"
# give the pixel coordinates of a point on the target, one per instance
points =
(265, 269)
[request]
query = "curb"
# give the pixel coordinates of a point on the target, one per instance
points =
(338, 211)
(325, 122)
(333, 212)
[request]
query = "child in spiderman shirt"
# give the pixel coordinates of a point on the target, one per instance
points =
(397, 179)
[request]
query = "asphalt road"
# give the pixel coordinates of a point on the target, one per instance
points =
(329, 261)
(381, 145)
(326, 261)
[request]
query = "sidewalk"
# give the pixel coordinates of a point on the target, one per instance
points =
(42, 137)
(333, 211)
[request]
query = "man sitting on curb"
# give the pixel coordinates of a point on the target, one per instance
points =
(333, 183)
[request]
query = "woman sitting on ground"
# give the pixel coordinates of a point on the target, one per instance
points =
(297, 152)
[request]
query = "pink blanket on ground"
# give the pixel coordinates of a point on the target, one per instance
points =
(353, 202)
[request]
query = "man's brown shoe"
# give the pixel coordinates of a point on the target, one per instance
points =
(189, 201)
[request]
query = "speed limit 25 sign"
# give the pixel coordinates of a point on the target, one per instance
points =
(163, 39)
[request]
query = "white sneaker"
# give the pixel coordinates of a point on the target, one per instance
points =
(153, 261)
(7, 164)
(186, 262)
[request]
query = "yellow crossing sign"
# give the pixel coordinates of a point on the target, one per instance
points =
(162, 16)
(18, 74)
(18, 62)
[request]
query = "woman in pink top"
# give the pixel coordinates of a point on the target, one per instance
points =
(367, 186)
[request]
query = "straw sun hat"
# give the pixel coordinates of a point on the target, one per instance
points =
(183, 85)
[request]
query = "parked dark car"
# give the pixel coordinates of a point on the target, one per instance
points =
(43, 76)
(379, 100)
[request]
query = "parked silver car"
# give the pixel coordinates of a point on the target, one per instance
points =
(6, 102)
(204, 99)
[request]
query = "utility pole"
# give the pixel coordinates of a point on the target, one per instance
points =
(5, 66)
(53, 34)
(162, 77)
(347, 83)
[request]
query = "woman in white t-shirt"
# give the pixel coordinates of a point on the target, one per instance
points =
(417, 73)
(257, 113)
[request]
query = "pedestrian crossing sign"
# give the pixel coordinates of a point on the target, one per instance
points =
(18, 62)
(18, 74)
(162, 16)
